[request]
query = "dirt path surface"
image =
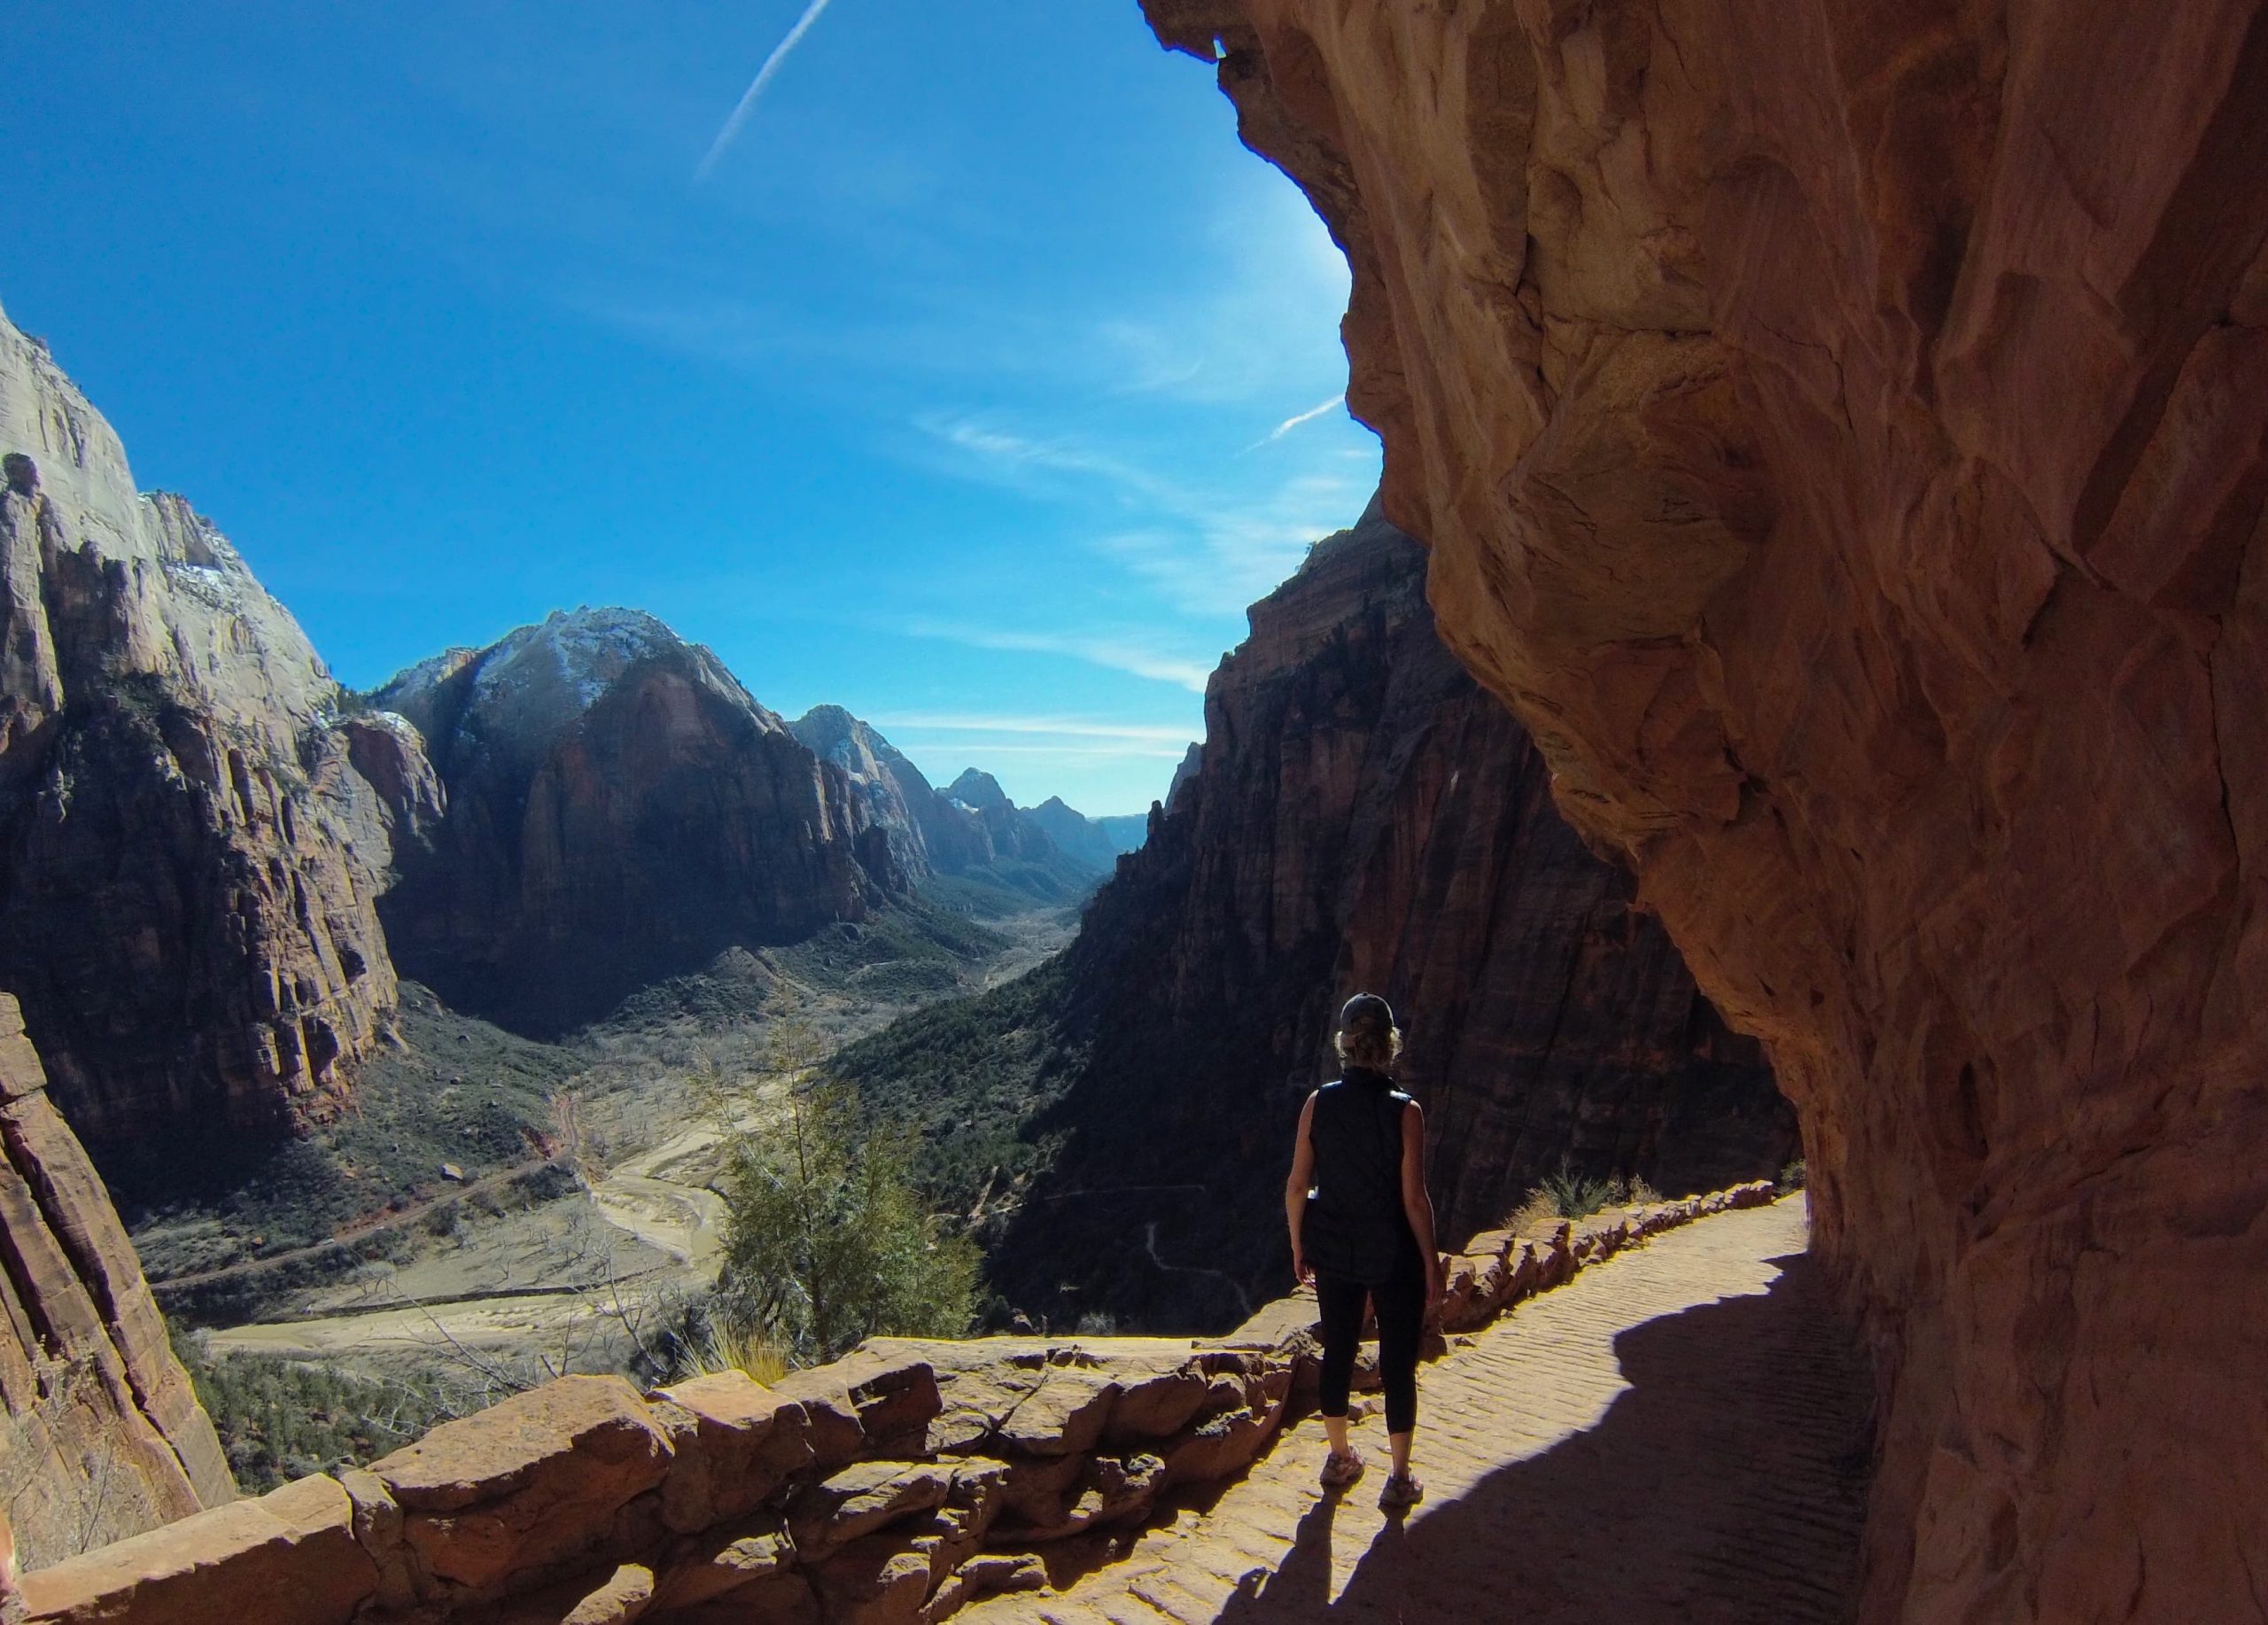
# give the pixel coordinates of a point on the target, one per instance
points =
(489, 1323)
(662, 1197)
(1677, 1435)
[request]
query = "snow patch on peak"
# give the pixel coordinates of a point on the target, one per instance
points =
(576, 655)
(828, 729)
(595, 647)
(980, 791)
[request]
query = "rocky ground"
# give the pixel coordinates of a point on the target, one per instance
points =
(1679, 1435)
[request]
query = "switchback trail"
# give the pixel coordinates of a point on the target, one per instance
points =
(1678, 1436)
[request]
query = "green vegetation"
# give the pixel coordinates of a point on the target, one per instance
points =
(912, 950)
(459, 1137)
(1009, 886)
(829, 1240)
(454, 1091)
(1569, 1195)
(280, 1420)
(1792, 1178)
(972, 1075)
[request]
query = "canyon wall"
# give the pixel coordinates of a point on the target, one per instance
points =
(102, 1437)
(1049, 853)
(1841, 429)
(928, 835)
(618, 810)
(1365, 817)
(189, 855)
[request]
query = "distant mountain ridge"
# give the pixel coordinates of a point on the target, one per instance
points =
(620, 809)
(209, 939)
(971, 824)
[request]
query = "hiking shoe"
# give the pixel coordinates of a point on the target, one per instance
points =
(1340, 1471)
(1402, 1489)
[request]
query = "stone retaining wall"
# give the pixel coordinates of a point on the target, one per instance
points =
(891, 1486)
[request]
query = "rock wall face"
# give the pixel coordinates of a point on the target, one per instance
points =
(1049, 853)
(1011, 832)
(1365, 817)
(928, 834)
(1841, 429)
(188, 858)
(102, 1437)
(618, 810)
(1096, 841)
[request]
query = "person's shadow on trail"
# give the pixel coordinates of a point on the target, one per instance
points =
(1725, 1484)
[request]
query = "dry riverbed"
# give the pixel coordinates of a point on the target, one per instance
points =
(579, 1278)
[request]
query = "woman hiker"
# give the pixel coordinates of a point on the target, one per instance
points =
(1362, 1228)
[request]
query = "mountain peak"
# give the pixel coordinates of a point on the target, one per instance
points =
(831, 731)
(538, 678)
(980, 789)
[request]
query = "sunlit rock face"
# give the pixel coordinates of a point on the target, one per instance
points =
(929, 831)
(189, 856)
(103, 1435)
(1363, 816)
(1840, 427)
(618, 810)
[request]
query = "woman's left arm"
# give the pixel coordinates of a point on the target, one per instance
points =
(1417, 1201)
(1295, 1189)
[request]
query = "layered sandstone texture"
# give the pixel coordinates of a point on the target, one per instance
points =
(889, 1487)
(619, 809)
(1842, 431)
(102, 1437)
(189, 855)
(1365, 817)
(929, 832)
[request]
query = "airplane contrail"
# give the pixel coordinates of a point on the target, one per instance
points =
(1292, 423)
(1307, 416)
(755, 90)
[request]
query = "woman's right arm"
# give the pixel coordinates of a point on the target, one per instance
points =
(1417, 1201)
(1295, 1189)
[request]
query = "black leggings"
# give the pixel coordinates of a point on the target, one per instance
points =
(1402, 1318)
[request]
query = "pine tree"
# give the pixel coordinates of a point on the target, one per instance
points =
(829, 1241)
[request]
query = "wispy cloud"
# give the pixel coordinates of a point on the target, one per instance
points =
(1068, 753)
(754, 91)
(1211, 550)
(1112, 654)
(1016, 454)
(1067, 728)
(1297, 418)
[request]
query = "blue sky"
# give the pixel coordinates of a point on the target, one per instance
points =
(950, 392)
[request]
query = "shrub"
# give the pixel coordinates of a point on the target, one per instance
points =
(1791, 1177)
(1569, 1195)
(749, 1349)
(828, 1241)
(283, 1419)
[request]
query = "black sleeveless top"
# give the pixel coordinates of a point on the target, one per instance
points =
(1353, 1225)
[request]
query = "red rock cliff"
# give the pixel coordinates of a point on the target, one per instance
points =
(1840, 429)
(188, 857)
(1365, 816)
(618, 810)
(102, 1437)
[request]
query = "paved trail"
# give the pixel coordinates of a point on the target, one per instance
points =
(1676, 1437)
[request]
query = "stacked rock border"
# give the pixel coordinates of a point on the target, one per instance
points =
(889, 1487)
